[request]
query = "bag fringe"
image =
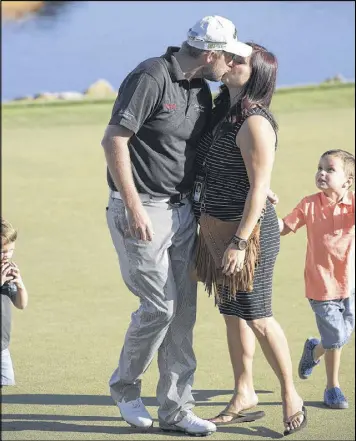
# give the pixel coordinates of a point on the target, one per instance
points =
(208, 267)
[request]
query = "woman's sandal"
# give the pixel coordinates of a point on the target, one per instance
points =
(239, 417)
(292, 418)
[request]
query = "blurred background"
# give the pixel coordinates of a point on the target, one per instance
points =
(67, 46)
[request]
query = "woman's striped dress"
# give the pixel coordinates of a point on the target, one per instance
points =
(225, 193)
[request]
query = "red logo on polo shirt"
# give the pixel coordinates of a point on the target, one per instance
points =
(170, 106)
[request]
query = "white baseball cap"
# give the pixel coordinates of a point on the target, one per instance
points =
(217, 33)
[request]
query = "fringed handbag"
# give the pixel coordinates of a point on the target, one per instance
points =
(214, 237)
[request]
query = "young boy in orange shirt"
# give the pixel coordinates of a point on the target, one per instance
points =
(329, 217)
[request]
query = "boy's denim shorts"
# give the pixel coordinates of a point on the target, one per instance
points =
(335, 320)
(7, 371)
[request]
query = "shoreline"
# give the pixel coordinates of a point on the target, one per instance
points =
(86, 99)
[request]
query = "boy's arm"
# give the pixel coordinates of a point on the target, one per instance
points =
(6, 273)
(294, 220)
(283, 227)
(20, 300)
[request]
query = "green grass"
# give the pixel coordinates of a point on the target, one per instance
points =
(86, 112)
(67, 343)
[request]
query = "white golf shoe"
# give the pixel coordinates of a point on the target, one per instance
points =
(191, 425)
(135, 413)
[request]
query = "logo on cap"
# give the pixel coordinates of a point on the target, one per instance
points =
(215, 45)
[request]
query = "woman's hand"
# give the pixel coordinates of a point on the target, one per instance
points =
(233, 260)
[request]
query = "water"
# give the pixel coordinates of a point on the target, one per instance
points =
(92, 40)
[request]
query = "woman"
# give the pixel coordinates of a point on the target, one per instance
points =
(239, 235)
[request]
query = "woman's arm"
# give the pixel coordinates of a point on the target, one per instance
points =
(256, 140)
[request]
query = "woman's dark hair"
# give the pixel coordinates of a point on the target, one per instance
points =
(258, 90)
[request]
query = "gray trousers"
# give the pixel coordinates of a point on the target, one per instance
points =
(159, 274)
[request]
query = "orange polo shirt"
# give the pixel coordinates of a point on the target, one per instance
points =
(331, 235)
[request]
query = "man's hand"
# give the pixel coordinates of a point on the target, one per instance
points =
(233, 260)
(140, 224)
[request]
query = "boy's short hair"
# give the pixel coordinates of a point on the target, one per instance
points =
(347, 158)
(8, 232)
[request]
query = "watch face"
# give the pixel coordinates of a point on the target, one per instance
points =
(242, 244)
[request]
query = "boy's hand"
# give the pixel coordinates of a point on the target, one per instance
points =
(16, 276)
(6, 274)
(283, 228)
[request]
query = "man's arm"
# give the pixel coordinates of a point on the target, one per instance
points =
(138, 97)
(115, 144)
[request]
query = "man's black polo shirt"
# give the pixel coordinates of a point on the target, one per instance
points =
(168, 115)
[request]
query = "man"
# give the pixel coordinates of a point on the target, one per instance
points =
(162, 108)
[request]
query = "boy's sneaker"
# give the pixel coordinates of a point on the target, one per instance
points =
(135, 413)
(307, 362)
(335, 399)
(191, 425)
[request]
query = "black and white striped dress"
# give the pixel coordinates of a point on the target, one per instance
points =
(225, 193)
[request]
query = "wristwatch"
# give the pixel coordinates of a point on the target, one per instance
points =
(240, 243)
